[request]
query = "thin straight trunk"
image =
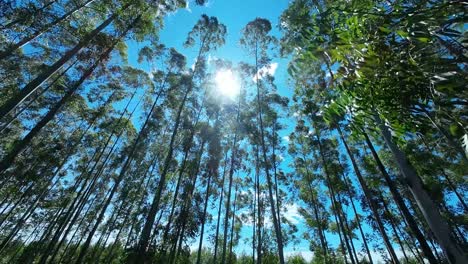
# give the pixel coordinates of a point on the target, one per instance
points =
(21, 145)
(25, 193)
(364, 240)
(392, 224)
(315, 208)
(10, 49)
(180, 175)
(275, 175)
(117, 181)
(175, 194)
(22, 220)
(335, 208)
(370, 201)
(146, 232)
(276, 224)
(437, 224)
(401, 204)
(33, 85)
(36, 12)
(228, 201)
(259, 207)
(186, 206)
(348, 229)
(26, 106)
(220, 208)
(232, 227)
(205, 207)
(231, 174)
(254, 221)
(454, 189)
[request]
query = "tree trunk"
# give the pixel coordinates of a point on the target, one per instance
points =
(392, 224)
(364, 240)
(335, 209)
(401, 204)
(232, 227)
(19, 146)
(205, 207)
(276, 224)
(32, 86)
(371, 202)
(186, 206)
(438, 225)
(10, 49)
(220, 208)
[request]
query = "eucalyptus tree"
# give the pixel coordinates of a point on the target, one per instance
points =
(210, 34)
(256, 41)
(368, 64)
(122, 11)
(300, 148)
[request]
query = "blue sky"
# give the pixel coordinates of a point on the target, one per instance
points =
(235, 15)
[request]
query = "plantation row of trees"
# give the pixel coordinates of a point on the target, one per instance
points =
(104, 162)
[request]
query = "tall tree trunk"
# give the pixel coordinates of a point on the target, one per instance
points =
(370, 201)
(392, 224)
(259, 207)
(401, 204)
(21, 145)
(10, 49)
(22, 20)
(26, 106)
(276, 224)
(220, 208)
(32, 86)
(364, 240)
(146, 232)
(186, 206)
(438, 225)
(232, 226)
(205, 207)
(228, 196)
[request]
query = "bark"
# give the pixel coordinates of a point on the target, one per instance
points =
(364, 240)
(437, 224)
(276, 224)
(146, 232)
(401, 204)
(11, 49)
(335, 209)
(205, 207)
(370, 201)
(220, 209)
(8, 160)
(33, 85)
(232, 227)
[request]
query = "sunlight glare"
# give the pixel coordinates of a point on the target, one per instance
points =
(227, 83)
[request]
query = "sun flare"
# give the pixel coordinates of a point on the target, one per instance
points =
(226, 83)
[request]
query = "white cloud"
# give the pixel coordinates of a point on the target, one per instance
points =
(187, 7)
(292, 214)
(266, 70)
(286, 139)
(193, 64)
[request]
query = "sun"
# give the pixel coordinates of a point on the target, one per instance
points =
(227, 83)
